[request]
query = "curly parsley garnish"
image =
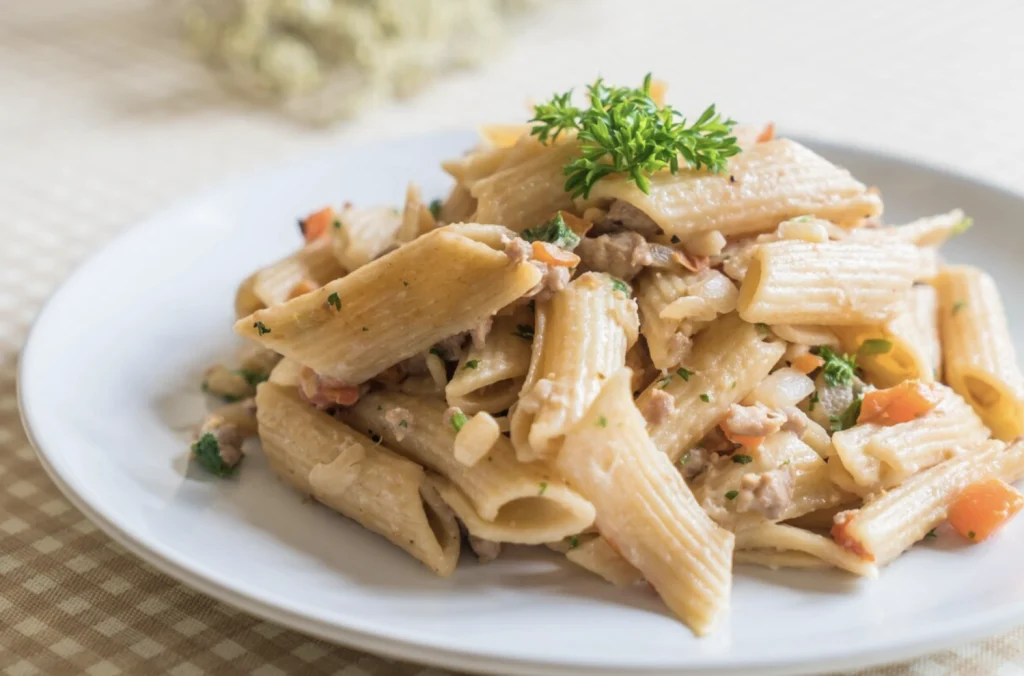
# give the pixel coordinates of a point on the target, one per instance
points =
(261, 328)
(207, 453)
(839, 370)
(554, 232)
(624, 131)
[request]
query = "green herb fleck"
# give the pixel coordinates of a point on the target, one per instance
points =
(336, 223)
(574, 542)
(524, 331)
(930, 535)
(847, 418)
(334, 301)
(543, 487)
(620, 285)
(762, 329)
(254, 378)
(472, 364)
(437, 353)
(624, 131)
(731, 495)
(741, 459)
(684, 373)
(838, 370)
(813, 401)
(207, 453)
(959, 305)
(971, 534)
(663, 383)
(405, 283)
(675, 239)
(875, 346)
(261, 328)
(403, 423)
(435, 208)
(705, 397)
(962, 226)
(602, 421)
(685, 459)
(459, 419)
(554, 232)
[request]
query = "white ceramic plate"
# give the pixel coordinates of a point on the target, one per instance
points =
(108, 389)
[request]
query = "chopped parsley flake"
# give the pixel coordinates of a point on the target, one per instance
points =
(574, 542)
(741, 459)
(524, 331)
(435, 208)
(731, 495)
(685, 459)
(602, 421)
(337, 224)
(762, 329)
(403, 423)
(675, 239)
(813, 402)
(620, 285)
(254, 378)
(971, 534)
(684, 373)
(459, 420)
(261, 328)
(554, 232)
(959, 305)
(839, 370)
(405, 283)
(334, 301)
(963, 226)
(472, 364)
(437, 353)
(847, 418)
(207, 453)
(663, 383)
(705, 397)
(543, 487)
(875, 346)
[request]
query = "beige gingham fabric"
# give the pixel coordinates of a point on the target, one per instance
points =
(103, 120)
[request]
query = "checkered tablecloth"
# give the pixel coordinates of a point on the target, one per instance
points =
(103, 120)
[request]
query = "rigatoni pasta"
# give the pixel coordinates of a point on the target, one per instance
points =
(646, 344)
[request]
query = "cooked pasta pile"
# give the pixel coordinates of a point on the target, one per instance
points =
(656, 371)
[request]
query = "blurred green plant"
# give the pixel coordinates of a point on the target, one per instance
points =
(322, 60)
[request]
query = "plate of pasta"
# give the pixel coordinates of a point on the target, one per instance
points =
(611, 390)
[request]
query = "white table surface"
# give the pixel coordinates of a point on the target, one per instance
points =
(104, 118)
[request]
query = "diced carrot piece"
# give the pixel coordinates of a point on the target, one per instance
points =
(305, 286)
(806, 363)
(744, 440)
(578, 225)
(982, 508)
(901, 403)
(767, 134)
(315, 225)
(844, 539)
(553, 255)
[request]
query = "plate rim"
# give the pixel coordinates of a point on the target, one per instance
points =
(946, 634)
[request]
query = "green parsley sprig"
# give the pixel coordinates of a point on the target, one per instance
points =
(625, 131)
(839, 369)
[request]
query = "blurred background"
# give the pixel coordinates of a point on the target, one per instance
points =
(112, 109)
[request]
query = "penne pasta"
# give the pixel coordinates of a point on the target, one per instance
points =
(727, 362)
(359, 236)
(880, 457)
(489, 377)
(601, 559)
(893, 521)
(904, 348)
(308, 269)
(340, 331)
(836, 283)
(763, 186)
(980, 360)
(346, 471)
(497, 498)
(932, 231)
(584, 335)
(766, 537)
(645, 508)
